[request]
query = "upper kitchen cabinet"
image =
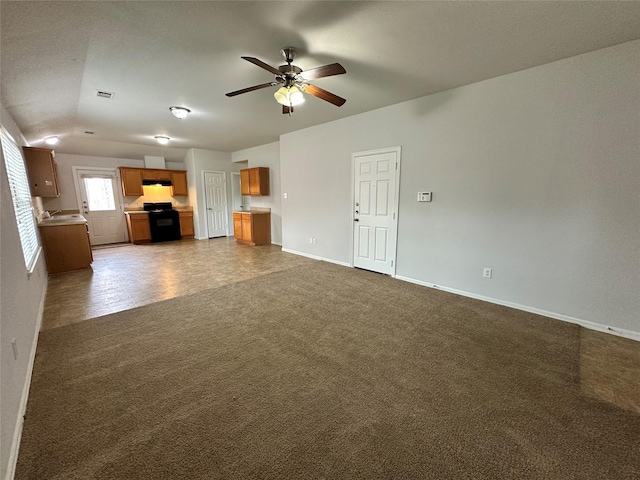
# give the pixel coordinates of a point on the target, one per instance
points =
(42, 171)
(131, 179)
(254, 181)
(179, 183)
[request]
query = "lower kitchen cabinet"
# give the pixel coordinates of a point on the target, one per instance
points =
(186, 225)
(139, 228)
(66, 247)
(253, 228)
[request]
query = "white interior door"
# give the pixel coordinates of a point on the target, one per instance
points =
(216, 198)
(375, 209)
(97, 191)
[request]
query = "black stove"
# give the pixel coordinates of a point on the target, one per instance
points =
(163, 220)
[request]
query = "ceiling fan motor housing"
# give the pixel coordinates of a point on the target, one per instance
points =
(289, 53)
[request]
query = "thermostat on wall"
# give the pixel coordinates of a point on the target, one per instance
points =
(424, 196)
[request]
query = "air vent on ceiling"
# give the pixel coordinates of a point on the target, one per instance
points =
(103, 94)
(89, 132)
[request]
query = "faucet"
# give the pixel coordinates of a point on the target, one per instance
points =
(51, 214)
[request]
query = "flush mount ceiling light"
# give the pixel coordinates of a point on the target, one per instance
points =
(289, 96)
(162, 140)
(179, 112)
(51, 140)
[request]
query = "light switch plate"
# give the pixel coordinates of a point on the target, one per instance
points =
(424, 196)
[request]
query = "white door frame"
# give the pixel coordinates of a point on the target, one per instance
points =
(119, 198)
(396, 201)
(204, 192)
(233, 197)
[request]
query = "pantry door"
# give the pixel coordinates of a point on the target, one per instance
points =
(100, 203)
(216, 197)
(375, 209)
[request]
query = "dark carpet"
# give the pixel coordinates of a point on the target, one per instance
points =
(320, 372)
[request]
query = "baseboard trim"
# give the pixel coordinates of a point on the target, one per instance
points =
(315, 257)
(621, 332)
(17, 434)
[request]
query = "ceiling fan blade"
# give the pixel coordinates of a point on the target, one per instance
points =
(324, 95)
(251, 89)
(261, 64)
(287, 110)
(325, 71)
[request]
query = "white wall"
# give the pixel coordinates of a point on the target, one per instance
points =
(197, 162)
(267, 156)
(67, 199)
(20, 316)
(534, 174)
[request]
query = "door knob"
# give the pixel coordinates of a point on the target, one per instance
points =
(356, 220)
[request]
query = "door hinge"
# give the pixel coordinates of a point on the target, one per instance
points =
(396, 165)
(394, 215)
(392, 263)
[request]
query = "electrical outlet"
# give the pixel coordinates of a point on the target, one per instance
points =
(310, 239)
(315, 241)
(487, 272)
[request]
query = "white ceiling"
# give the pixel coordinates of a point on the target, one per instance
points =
(152, 55)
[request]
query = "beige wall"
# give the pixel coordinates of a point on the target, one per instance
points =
(534, 174)
(21, 302)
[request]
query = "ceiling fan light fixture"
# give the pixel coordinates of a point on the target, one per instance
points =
(289, 96)
(180, 112)
(162, 140)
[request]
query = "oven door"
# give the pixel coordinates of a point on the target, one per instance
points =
(165, 225)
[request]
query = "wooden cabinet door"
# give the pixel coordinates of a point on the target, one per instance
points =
(148, 174)
(42, 171)
(179, 183)
(139, 228)
(245, 186)
(186, 224)
(247, 232)
(254, 181)
(131, 179)
(237, 225)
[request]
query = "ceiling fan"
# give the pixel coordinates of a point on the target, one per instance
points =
(294, 81)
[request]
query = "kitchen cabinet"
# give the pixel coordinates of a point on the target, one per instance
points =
(186, 225)
(42, 171)
(254, 181)
(179, 183)
(66, 247)
(253, 228)
(152, 174)
(131, 179)
(139, 228)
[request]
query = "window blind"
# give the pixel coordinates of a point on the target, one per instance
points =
(21, 195)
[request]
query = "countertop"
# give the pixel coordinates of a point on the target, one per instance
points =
(58, 220)
(252, 212)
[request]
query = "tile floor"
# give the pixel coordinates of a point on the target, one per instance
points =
(127, 276)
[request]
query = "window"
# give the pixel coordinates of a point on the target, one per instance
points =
(21, 195)
(99, 194)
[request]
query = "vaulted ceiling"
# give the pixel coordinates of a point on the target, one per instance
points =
(154, 55)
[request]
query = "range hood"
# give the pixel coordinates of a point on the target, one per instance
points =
(158, 183)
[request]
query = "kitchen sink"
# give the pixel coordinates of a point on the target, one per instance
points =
(63, 220)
